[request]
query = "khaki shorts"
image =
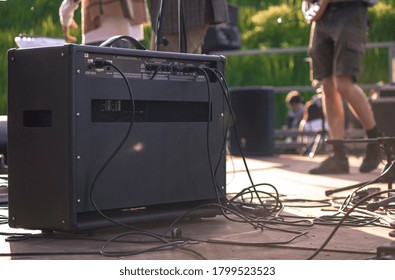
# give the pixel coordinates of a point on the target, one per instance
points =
(337, 41)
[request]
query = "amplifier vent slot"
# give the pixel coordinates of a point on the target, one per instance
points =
(111, 110)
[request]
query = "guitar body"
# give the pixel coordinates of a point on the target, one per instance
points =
(313, 10)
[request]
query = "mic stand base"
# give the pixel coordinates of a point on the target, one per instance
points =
(388, 173)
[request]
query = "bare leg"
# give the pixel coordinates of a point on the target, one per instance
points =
(333, 108)
(335, 90)
(357, 100)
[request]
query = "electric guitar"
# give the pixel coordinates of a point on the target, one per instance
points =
(313, 10)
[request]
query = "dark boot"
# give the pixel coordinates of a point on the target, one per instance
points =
(332, 165)
(372, 157)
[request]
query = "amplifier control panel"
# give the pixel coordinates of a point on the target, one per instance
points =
(146, 68)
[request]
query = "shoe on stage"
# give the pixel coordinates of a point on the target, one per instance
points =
(371, 159)
(332, 165)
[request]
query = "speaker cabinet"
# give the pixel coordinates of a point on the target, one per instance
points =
(384, 113)
(387, 91)
(254, 116)
(75, 146)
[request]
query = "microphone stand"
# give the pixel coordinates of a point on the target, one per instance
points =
(181, 27)
(159, 39)
(319, 139)
(388, 173)
(373, 206)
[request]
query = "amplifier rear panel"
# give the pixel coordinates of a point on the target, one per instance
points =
(73, 137)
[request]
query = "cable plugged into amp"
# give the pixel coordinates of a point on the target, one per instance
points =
(168, 68)
(100, 63)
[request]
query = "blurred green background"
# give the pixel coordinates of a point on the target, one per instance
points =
(259, 28)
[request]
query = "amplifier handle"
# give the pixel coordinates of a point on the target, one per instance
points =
(116, 38)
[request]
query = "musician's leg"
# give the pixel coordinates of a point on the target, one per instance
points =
(334, 115)
(358, 101)
(350, 42)
(321, 49)
(333, 108)
(362, 110)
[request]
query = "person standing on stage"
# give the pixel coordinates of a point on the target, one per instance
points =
(104, 19)
(337, 43)
(198, 16)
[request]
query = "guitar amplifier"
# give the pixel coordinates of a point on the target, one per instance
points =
(140, 138)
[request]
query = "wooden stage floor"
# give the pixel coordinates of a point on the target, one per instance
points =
(296, 233)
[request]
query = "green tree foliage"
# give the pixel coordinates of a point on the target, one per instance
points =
(271, 29)
(28, 17)
(382, 22)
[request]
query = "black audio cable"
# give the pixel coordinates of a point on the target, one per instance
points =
(101, 64)
(252, 189)
(247, 211)
(345, 217)
(367, 219)
(355, 220)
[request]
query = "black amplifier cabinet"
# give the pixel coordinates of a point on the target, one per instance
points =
(384, 113)
(67, 118)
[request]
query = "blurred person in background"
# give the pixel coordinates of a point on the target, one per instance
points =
(313, 116)
(294, 101)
